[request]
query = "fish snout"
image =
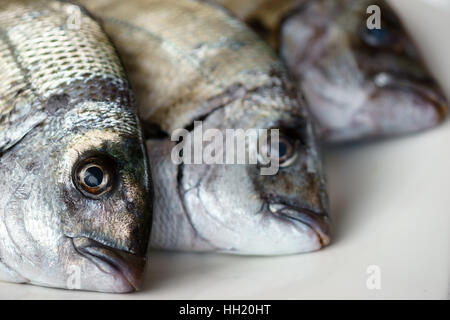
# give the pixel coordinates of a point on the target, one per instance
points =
(124, 268)
(317, 223)
(423, 95)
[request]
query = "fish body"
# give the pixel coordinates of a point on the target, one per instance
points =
(361, 80)
(191, 60)
(75, 205)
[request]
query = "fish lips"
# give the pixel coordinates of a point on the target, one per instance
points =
(318, 223)
(426, 88)
(128, 268)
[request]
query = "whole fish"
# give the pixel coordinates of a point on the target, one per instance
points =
(190, 60)
(360, 71)
(75, 205)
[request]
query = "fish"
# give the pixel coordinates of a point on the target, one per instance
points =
(76, 189)
(192, 62)
(362, 81)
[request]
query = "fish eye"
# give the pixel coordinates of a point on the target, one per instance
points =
(94, 176)
(287, 151)
(377, 37)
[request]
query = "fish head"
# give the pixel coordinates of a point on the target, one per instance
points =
(240, 208)
(361, 73)
(76, 191)
(106, 196)
(83, 217)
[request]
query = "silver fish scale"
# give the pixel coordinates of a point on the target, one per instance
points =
(126, 123)
(44, 41)
(48, 50)
(12, 79)
(44, 54)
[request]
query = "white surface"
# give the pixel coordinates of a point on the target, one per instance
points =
(390, 205)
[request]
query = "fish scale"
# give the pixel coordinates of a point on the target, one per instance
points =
(50, 54)
(168, 33)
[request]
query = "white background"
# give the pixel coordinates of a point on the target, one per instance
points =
(390, 205)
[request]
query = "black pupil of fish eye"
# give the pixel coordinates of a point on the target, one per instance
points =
(283, 149)
(93, 177)
(377, 36)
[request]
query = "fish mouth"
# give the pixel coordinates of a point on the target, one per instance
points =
(427, 89)
(318, 223)
(127, 267)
